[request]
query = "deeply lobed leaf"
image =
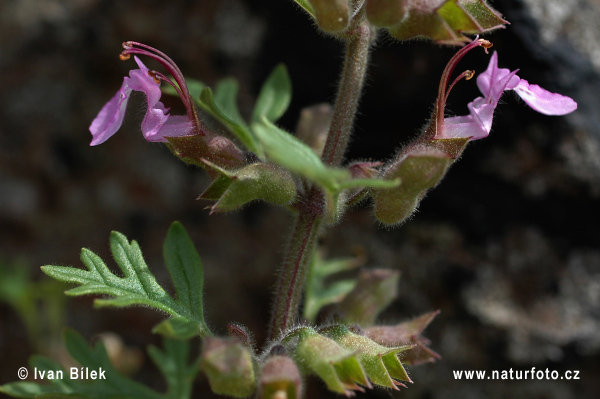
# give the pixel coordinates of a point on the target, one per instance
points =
(138, 286)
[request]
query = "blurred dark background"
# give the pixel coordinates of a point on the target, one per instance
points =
(507, 247)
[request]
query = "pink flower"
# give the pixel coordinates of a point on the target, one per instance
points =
(492, 83)
(157, 123)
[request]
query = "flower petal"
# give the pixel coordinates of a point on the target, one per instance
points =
(460, 127)
(483, 113)
(174, 126)
(543, 101)
(141, 81)
(110, 118)
(476, 125)
(154, 120)
(494, 81)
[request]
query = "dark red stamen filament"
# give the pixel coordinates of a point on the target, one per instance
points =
(145, 50)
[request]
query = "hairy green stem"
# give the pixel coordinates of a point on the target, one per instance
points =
(295, 264)
(346, 104)
(292, 275)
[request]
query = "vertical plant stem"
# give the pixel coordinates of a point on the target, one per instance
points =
(293, 272)
(346, 104)
(311, 207)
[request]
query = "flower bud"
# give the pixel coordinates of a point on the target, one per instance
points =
(380, 363)
(228, 366)
(374, 290)
(405, 333)
(313, 126)
(386, 13)
(217, 149)
(332, 15)
(257, 181)
(336, 366)
(279, 378)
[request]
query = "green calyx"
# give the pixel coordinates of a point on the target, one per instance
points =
(380, 363)
(444, 21)
(228, 365)
(337, 366)
(257, 181)
(419, 170)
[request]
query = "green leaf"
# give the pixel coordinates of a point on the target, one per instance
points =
(138, 285)
(109, 383)
(274, 97)
(207, 102)
(225, 97)
(178, 328)
(306, 6)
(286, 150)
(369, 183)
(319, 294)
(332, 293)
(173, 362)
(185, 268)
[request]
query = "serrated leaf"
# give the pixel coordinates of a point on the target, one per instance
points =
(174, 364)
(207, 102)
(138, 286)
(274, 97)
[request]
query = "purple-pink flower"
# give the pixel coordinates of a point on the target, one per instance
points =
(492, 83)
(157, 123)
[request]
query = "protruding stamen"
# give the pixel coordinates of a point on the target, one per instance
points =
(132, 47)
(124, 56)
(444, 88)
(466, 75)
(159, 77)
(154, 75)
(486, 44)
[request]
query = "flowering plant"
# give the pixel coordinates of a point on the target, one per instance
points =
(254, 159)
